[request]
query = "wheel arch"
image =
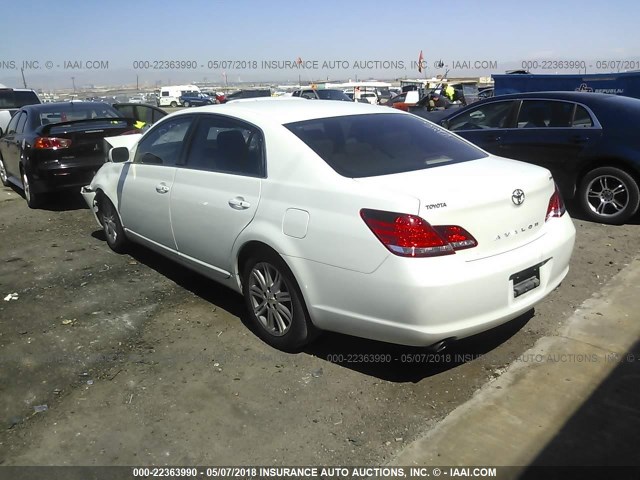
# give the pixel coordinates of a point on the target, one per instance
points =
(254, 245)
(246, 251)
(605, 161)
(101, 195)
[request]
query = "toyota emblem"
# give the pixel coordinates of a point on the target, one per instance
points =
(517, 197)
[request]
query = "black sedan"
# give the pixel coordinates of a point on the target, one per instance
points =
(589, 141)
(56, 146)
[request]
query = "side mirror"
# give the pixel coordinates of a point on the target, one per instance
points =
(119, 154)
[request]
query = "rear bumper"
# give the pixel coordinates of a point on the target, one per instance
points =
(420, 302)
(54, 177)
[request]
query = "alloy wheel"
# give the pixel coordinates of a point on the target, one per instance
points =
(3, 173)
(270, 299)
(607, 195)
(26, 188)
(109, 224)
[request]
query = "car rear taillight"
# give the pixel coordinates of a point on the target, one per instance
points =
(556, 206)
(412, 236)
(51, 143)
(456, 236)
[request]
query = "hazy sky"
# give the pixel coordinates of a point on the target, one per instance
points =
(326, 30)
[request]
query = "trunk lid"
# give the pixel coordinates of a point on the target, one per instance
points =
(502, 203)
(87, 144)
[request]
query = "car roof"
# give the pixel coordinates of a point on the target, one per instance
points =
(588, 98)
(289, 110)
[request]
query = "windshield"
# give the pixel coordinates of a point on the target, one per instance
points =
(382, 144)
(17, 98)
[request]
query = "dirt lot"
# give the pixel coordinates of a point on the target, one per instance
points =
(139, 361)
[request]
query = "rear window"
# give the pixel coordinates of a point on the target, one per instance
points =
(70, 112)
(17, 99)
(333, 95)
(382, 144)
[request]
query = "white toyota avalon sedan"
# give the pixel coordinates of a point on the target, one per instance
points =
(336, 216)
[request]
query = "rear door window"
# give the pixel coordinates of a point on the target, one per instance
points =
(545, 113)
(581, 117)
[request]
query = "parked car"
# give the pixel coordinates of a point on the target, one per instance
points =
(324, 94)
(195, 99)
(340, 216)
(169, 95)
(11, 99)
(139, 98)
(404, 100)
(370, 97)
(428, 105)
(589, 141)
(56, 146)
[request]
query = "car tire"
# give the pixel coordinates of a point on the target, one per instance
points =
(275, 304)
(173, 105)
(609, 195)
(34, 200)
(186, 104)
(111, 225)
(4, 176)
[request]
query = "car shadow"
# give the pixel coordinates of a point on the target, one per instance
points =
(386, 361)
(190, 280)
(64, 201)
(58, 201)
(399, 363)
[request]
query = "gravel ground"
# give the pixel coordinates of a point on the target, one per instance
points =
(130, 359)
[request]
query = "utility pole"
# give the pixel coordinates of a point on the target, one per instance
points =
(23, 79)
(73, 81)
(137, 88)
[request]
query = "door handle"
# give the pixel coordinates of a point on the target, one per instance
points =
(162, 188)
(239, 203)
(579, 139)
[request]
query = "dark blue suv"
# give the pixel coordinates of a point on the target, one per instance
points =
(195, 99)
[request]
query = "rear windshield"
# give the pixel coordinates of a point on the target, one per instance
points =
(382, 144)
(333, 95)
(70, 112)
(17, 98)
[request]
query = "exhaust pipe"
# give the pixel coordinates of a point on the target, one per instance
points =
(441, 345)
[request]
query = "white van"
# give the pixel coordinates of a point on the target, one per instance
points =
(170, 95)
